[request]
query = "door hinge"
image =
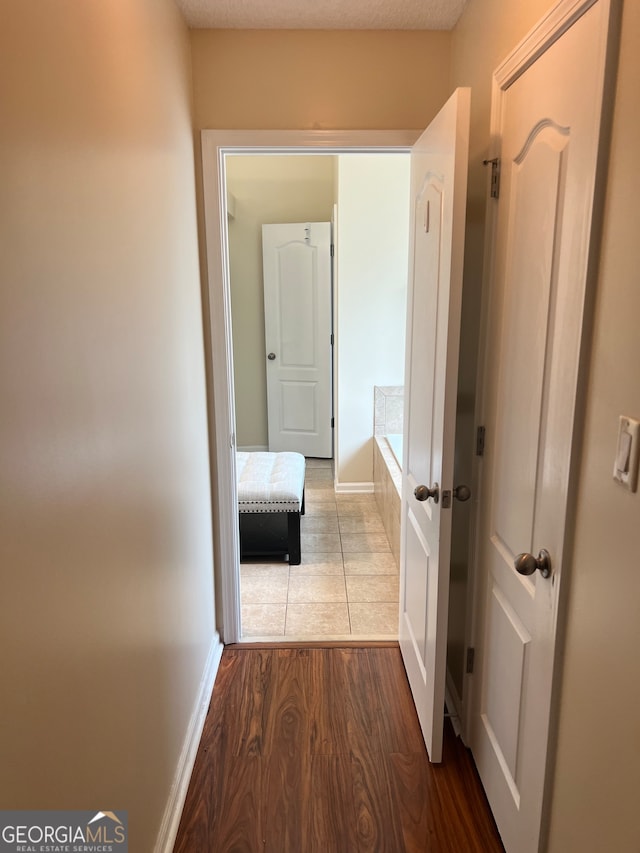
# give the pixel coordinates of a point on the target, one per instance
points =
(333, 248)
(495, 176)
(331, 339)
(332, 423)
(480, 436)
(471, 655)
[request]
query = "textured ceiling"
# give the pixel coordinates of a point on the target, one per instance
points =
(323, 14)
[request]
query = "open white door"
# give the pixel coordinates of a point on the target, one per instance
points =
(438, 196)
(547, 108)
(297, 318)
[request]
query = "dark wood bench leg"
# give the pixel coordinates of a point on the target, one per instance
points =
(293, 533)
(302, 507)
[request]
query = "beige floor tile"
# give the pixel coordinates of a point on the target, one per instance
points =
(320, 480)
(374, 619)
(265, 588)
(318, 475)
(316, 509)
(355, 509)
(363, 588)
(317, 619)
(319, 496)
(370, 564)
(319, 504)
(314, 543)
(319, 523)
(356, 496)
(319, 564)
(316, 589)
(362, 523)
(372, 542)
(321, 510)
(355, 515)
(315, 462)
(343, 543)
(362, 499)
(263, 620)
(324, 501)
(250, 570)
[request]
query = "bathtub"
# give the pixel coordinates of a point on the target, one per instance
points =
(394, 440)
(387, 486)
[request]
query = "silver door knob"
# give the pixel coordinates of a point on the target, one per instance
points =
(271, 356)
(423, 493)
(526, 564)
(462, 493)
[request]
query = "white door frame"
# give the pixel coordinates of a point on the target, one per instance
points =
(216, 145)
(548, 30)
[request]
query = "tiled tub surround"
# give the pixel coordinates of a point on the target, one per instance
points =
(388, 409)
(387, 484)
(388, 417)
(347, 584)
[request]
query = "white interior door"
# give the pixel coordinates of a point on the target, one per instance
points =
(547, 116)
(297, 316)
(438, 195)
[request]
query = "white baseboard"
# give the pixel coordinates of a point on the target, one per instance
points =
(182, 776)
(253, 448)
(354, 488)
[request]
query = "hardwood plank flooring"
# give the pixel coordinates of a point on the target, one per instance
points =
(319, 750)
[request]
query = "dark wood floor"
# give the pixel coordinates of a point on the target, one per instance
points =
(318, 750)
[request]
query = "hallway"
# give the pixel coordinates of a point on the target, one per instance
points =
(347, 584)
(320, 751)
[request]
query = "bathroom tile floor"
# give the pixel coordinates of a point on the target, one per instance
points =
(347, 584)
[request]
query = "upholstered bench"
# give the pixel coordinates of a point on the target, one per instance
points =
(270, 503)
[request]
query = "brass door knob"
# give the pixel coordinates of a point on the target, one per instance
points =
(527, 564)
(462, 493)
(423, 493)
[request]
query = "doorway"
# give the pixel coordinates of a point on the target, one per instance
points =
(216, 147)
(371, 192)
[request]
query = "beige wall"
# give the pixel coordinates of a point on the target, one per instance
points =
(601, 686)
(266, 189)
(246, 79)
(596, 776)
(106, 555)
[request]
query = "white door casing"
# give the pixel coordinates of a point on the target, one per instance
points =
(298, 336)
(438, 196)
(216, 146)
(546, 119)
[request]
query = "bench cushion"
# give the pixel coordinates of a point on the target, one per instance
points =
(270, 482)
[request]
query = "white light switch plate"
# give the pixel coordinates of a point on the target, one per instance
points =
(625, 466)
